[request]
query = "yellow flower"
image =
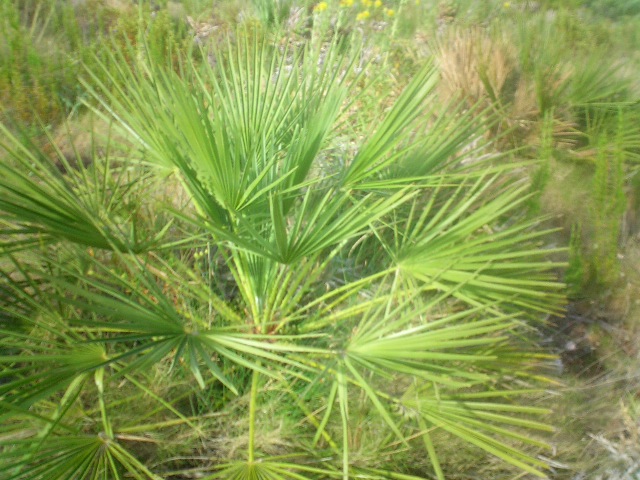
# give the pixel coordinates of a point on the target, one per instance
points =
(507, 4)
(321, 7)
(346, 3)
(389, 12)
(366, 3)
(377, 3)
(363, 16)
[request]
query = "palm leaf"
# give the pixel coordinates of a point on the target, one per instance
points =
(84, 206)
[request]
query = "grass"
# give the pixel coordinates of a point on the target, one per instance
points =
(272, 299)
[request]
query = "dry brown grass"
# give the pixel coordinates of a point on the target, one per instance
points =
(481, 68)
(474, 64)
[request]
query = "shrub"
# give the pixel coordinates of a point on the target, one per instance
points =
(302, 308)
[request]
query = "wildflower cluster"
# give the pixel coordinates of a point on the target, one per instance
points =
(320, 7)
(366, 9)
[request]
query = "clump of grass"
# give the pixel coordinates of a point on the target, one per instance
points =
(576, 274)
(540, 176)
(45, 45)
(476, 66)
(33, 71)
(608, 208)
(614, 9)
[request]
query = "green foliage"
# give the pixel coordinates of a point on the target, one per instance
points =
(30, 76)
(576, 274)
(541, 58)
(44, 44)
(609, 204)
(97, 206)
(273, 13)
(615, 8)
(392, 284)
(546, 151)
(145, 33)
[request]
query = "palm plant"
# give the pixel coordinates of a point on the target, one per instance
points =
(392, 284)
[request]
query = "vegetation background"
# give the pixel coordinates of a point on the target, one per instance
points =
(299, 239)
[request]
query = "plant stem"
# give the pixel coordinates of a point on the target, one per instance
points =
(106, 423)
(344, 413)
(252, 416)
(431, 451)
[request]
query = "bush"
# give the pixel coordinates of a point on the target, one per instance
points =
(241, 300)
